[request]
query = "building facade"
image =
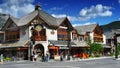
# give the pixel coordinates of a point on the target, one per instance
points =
(40, 33)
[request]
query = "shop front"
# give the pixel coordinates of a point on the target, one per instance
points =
(80, 52)
(14, 53)
(54, 52)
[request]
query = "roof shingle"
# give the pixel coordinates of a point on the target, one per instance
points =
(85, 28)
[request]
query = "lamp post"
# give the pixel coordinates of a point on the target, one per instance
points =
(116, 46)
(68, 45)
(32, 42)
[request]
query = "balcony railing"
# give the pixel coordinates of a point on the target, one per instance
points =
(39, 38)
(98, 35)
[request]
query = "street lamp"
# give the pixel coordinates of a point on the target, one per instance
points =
(68, 45)
(32, 42)
(115, 43)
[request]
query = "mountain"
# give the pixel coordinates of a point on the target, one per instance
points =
(110, 26)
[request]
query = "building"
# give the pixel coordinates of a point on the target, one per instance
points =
(93, 33)
(40, 33)
(110, 39)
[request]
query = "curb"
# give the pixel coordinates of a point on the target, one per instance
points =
(78, 59)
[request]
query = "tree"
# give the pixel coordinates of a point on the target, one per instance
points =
(96, 48)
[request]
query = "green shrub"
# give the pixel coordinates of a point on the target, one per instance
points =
(6, 59)
(92, 56)
(98, 55)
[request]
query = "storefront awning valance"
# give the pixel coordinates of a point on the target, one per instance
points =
(106, 46)
(53, 47)
(61, 43)
(80, 44)
(64, 47)
(14, 44)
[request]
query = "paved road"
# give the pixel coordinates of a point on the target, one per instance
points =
(99, 63)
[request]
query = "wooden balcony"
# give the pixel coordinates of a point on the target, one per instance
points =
(98, 35)
(39, 38)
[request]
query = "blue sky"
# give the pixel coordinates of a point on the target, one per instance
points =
(79, 12)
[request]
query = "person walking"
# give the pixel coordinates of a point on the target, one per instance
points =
(43, 58)
(35, 57)
(61, 56)
(47, 57)
(1, 59)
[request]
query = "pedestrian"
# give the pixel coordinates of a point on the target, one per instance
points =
(1, 59)
(35, 58)
(43, 58)
(47, 56)
(61, 56)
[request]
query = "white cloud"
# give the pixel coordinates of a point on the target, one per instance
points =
(95, 11)
(118, 18)
(71, 18)
(17, 8)
(56, 8)
(89, 13)
(88, 23)
(0, 10)
(119, 1)
(59, 15)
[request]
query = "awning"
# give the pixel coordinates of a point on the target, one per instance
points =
(106, 46)
(64, 47)
(14, 44)
(61, 43)
(53, 47)
(80, 44)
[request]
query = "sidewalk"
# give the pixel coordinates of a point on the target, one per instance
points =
(95, 58)
(104, 57)
(76, 59)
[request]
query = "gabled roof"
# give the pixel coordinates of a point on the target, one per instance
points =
(85, 28)
(3, 19)
(27, 18)
(60, 20)
(50, 20)
(15, 20)
(8, 22)
(110, 34)
(47, 18)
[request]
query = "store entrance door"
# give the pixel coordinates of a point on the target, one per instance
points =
(39, 50)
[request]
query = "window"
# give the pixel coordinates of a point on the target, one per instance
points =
(80, 38)
(12, 35)
(74, 38)
(63, 34)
